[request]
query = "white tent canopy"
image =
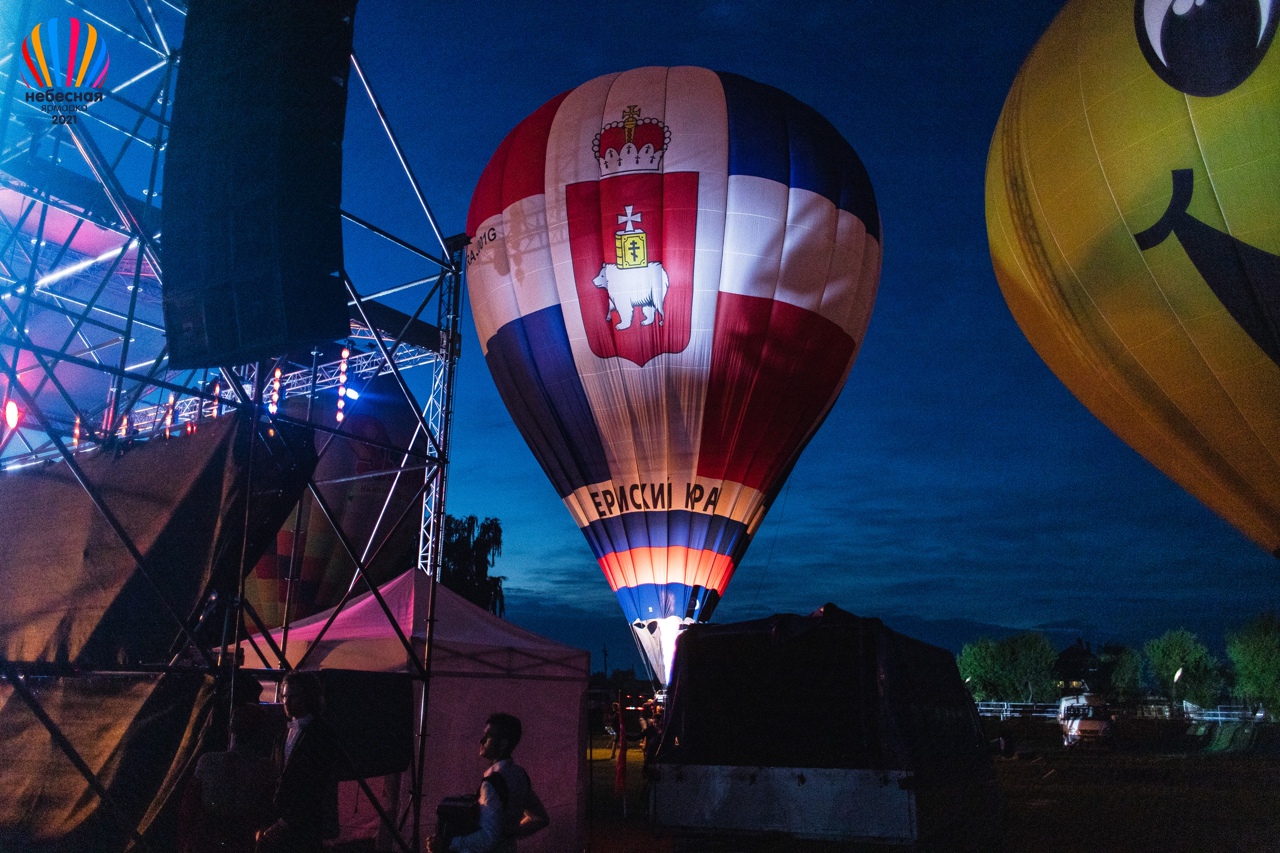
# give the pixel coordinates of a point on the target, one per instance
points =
(480, 664)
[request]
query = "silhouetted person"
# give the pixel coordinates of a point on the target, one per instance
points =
(229, 797)
(620, 767)
(613, 725)
(650, 735)
(306, 800)
(509, 808)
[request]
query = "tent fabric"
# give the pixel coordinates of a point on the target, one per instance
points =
(480, 664)
(825, 690)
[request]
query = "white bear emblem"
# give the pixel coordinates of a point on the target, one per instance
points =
(640, 287)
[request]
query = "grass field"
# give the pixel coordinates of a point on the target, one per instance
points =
(1061, 802)
(1190, 797)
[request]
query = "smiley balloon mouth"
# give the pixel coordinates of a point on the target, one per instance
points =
(1245, 279)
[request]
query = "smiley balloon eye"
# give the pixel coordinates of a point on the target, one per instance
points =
(1205, 47)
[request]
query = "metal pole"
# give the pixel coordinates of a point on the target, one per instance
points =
(244, 536)
(24, 15)
(104, 510)
(69, 750)
(449, 296)
(395, 371)
(373, 589)
(351, 589)
(295, 553)
(395, 144)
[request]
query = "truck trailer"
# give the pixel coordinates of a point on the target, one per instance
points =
(825, 731)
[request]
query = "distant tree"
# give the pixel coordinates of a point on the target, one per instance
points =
(980, 667)
(469, 551)
(1180, 650)
(1254, 651)
(1015, 669)
(1029, 660)
(1119, 673)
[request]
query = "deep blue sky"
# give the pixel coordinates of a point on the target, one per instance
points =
(956, 478)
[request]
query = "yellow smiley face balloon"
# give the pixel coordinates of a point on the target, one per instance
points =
(1133, 210)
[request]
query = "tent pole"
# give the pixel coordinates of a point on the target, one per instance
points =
(419, 770)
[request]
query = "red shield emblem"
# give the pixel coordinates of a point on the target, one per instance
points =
(633, 237)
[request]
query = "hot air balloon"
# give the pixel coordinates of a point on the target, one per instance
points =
(671, 271)
(365, 502)
(1133, 209)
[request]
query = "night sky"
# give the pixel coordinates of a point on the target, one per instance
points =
(957, 488)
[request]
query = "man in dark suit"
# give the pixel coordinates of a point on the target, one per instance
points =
(306, 800)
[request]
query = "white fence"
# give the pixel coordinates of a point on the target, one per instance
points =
(1045, 710)
(1224, 714)
(1007, 710)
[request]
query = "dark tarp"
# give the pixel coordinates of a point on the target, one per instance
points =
(77, 604)
(73, 591)
(826, 690)
(136, 733)
(371, 713)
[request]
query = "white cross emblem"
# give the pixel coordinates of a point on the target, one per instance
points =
(629, 218)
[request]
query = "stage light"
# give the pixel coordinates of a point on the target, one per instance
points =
(343, 391)
(274, 405)
(11, 415)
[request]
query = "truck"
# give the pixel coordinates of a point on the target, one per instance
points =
(821, 731)
(1086, 721)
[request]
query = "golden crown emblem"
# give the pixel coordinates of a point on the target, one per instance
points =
(634, 144)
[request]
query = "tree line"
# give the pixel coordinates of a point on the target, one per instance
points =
(469, 549)
(1175, 666)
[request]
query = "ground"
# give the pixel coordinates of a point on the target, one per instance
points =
(1202, 795)
(1067, 802)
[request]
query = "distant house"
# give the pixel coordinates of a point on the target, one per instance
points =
(1076, 669)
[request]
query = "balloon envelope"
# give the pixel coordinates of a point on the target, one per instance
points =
(1133, 209)
(671, 271)
(368, 507)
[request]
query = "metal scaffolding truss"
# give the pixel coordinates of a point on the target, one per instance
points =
(81, 331)
(83, 356)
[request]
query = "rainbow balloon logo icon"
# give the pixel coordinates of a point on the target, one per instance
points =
(64, 54)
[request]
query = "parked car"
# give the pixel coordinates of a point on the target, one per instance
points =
(1086, 721)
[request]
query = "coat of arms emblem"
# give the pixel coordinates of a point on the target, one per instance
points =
(633, 235)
